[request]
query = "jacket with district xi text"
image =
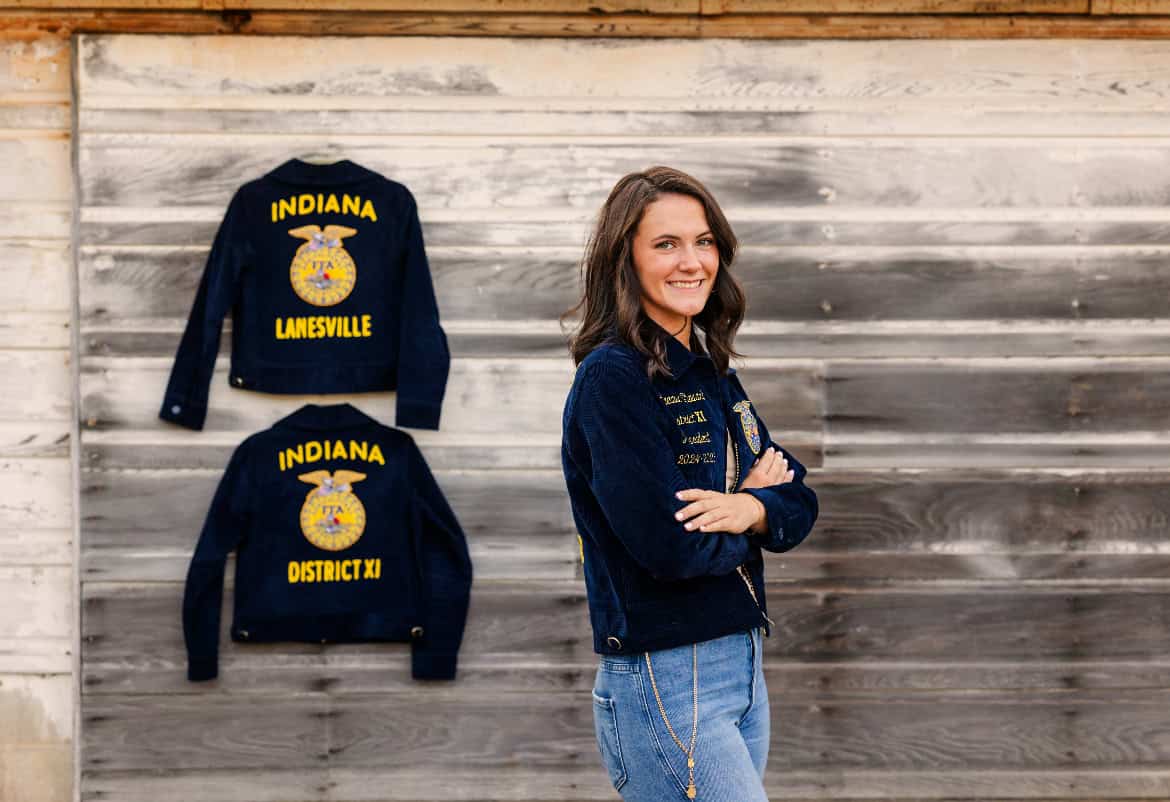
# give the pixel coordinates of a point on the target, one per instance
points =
(341, 534)
(324, 272)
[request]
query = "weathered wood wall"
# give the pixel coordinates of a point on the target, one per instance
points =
(956, 255)
(37, 576)
(744, 19)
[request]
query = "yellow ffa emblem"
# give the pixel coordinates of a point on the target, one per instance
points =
(747, 420)
(332, 517)
(323, 272)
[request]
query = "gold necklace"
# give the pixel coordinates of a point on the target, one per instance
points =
(690, 753)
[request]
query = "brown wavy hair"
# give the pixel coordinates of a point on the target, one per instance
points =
(612, 297)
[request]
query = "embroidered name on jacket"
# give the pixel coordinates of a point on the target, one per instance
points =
(320, 203)
(687, 418)
(316, 327)
(315, 450)
(352, 570)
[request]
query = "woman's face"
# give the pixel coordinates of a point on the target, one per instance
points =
(675, 259)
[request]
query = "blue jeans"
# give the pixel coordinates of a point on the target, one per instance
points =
(731, 749)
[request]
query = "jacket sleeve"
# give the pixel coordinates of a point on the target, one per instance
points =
(185, 400)
(224, 529)
(444, 569)
(790, 508)
(634, 477)
(423, 356)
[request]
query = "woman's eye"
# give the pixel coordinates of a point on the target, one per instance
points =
(665, 244)
(707, 241)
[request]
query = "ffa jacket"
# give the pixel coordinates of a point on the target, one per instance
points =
(341, 534)
(324, 271)
(628, 445)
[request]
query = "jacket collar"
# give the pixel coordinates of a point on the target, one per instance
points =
(326, 418)
(679, 358)
(296, 171)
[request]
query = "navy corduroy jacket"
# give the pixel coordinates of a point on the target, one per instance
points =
(628, 445)
(324, 271)
(341, 534)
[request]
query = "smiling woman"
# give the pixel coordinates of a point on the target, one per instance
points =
(671, 528)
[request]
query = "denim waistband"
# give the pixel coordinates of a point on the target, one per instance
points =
(634, 663)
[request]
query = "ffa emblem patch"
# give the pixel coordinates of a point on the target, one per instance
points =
(323, 272)
(332, 517)
(747, 420)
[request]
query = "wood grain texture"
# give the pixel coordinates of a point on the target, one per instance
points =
(493, 70)
(550, 734)
(133, 639)
(783, 283)
(457, 172)
(728, 115)
(1007, 396)
(938, 513)
(37, 543)
(954, 254)
(23, 25)
(470, 786)
(126, 393)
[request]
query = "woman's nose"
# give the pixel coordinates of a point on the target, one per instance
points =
(688, 259)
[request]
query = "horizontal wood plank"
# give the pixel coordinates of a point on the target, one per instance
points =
(336, 671)
(304, 784)
(38, 389)
(123, 70)
(793, 339)
(38, 493)
(453, 172)
(553, 733)
(783, 282)
(961, 514)
(718, 116)
(1006, 396)
(482, 395)
(534, 622)
(40, 281)
(102, 229)
(34, 24)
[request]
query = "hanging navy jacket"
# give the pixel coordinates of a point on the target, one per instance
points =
(628, 445)
(341, 534)
(325, 274)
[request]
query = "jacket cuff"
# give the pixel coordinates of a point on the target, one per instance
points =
(773, 539)
(417, 414)
(200, 669)
(432, 665)
(185, 414)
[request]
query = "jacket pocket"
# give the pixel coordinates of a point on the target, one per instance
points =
(605, 726)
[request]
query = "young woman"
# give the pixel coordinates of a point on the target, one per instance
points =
(676, 488)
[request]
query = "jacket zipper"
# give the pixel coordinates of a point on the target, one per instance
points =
(740, 569)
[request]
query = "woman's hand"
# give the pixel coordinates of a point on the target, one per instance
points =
(712, 511)
(770, 469)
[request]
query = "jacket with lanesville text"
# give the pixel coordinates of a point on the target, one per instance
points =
(325, 274)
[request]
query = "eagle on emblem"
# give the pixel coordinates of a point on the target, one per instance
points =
(751, 429)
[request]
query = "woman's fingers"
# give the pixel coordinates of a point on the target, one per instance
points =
(708, 521)
(701, 501)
